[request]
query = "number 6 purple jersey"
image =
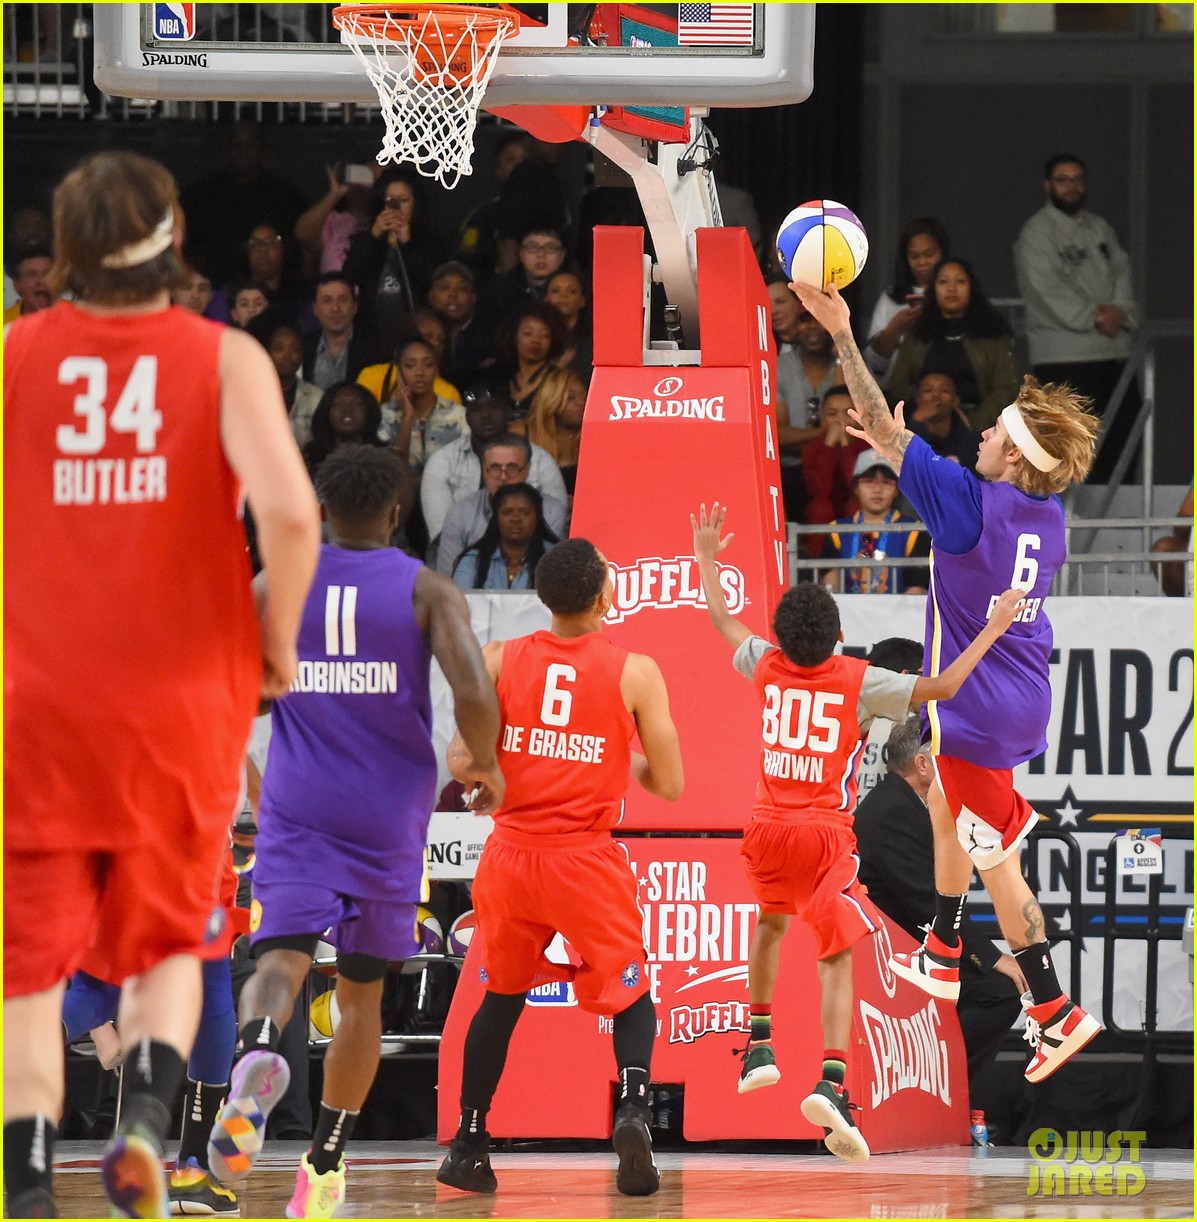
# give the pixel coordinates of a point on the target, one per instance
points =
(986, 537)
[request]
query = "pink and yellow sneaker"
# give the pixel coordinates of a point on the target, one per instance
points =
(317, 1196)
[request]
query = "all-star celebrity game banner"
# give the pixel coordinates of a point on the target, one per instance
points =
(906, 1063)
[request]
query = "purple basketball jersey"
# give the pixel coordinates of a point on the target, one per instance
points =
(351, 775)
(999, 717)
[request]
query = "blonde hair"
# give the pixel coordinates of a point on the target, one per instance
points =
(541, 424)
(1060, 420)
(111, 201)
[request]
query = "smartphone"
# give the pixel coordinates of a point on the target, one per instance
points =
(357, 176)
(914, 298)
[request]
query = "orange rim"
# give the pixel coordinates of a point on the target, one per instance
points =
(387, 20)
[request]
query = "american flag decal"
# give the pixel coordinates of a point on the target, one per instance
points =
(715, 25)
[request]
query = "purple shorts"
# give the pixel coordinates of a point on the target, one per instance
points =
(382, 929)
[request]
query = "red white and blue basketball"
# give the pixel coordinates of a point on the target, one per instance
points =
(460, 933)
(822, 243)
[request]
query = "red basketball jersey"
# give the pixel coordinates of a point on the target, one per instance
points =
(810, 738)
(132, 650)
(565, 747)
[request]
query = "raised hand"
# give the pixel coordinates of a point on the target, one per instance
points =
(707, 543)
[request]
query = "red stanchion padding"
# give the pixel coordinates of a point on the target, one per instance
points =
(619, 298)
(657, 441)
(552, 124)
(906, 1061)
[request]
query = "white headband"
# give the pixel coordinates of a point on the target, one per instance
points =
(148, 248)
(1021, 435)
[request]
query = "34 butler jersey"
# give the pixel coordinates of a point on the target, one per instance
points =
(565, 748)
(128, 617)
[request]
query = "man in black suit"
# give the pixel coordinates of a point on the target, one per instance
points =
(339, 351)
(897, 864)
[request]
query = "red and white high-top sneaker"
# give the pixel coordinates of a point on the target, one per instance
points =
(934, 967)
(1056, 1030)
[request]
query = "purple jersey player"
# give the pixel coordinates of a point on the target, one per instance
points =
(344, 811)
(1005, 529)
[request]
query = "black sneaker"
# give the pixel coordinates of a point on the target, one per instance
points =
(467, 1166)
(32, 1203)
(637, 1175)
(828, 1107)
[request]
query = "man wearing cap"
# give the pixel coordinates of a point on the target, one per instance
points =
(453, 295)
(988, 534)
(874, 532)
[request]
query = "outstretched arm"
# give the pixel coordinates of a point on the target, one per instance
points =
(945, 686)
(883, 432)
(708, 545)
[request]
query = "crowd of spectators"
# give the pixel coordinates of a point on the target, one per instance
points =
(377, 322)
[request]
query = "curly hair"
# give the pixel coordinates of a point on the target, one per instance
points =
(571, 577)
(360, 483)
(322, 442)
(807, 624)
(1061, 421)
(490, 542)
(981, 320)
(509, 328)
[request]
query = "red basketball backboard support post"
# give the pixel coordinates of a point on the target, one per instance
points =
(659, 440)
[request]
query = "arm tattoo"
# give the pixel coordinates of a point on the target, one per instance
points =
(868, 397)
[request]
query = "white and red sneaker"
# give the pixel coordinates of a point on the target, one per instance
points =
(1056, 1030)
(934, 967)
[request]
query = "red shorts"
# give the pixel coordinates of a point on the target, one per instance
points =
(531, 887)
(809, 870)
(121, 912)
(992, 817)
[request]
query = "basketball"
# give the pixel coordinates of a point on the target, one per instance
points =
(822, 243)
(460, 933)
(431, 936)
(324, 1016)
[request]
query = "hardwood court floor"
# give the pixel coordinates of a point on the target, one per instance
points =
(396, 1180)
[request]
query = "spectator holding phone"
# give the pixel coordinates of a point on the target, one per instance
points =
(327, 227)
(392, 261)
(924, 242)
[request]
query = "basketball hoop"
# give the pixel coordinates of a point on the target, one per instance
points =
(430, 64)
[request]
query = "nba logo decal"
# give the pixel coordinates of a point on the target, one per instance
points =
(174, 22)
(630, 975)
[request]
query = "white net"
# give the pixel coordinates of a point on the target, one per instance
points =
(430, 69)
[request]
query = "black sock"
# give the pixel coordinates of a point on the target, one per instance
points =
(1037, 967)
(949, 912)
(257, 1033)
(471, 1127)
(485, 1055)
(28, 1156)
(201, 1103)
(633, 1085)
(635, 1030)
(334, 1127)
(152, 1074)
